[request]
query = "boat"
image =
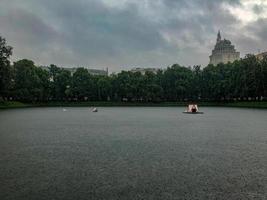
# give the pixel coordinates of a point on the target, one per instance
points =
(94, 110)
(192, 109)
(64, 109)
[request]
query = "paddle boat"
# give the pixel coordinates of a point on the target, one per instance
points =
(94, 110)
(192, 109)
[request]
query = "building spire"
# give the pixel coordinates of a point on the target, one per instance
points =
(219, 36)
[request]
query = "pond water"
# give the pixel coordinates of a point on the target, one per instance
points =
(133, 153)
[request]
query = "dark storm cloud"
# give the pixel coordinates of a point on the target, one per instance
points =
(93, 27)
(27, 26)
(116, 34)
(89, 31)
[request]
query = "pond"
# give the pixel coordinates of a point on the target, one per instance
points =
(133, 153)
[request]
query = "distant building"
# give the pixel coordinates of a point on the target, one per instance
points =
(72, 70)
(98, 72)
(144, 70)
(223, 52)
(260, 56)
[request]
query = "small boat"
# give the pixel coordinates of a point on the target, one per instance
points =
(192, 109)
(94, 110)
(64, 109)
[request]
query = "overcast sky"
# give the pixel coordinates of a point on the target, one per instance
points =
(121, 34)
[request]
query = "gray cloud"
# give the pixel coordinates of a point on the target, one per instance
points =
(256, 37)
(136, 33)
(257, 9)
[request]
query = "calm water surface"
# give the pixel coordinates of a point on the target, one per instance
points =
(133, 153)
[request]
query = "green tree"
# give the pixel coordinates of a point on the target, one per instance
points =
(123, 86)
(5, 69)
(210, 83)
(104, 88)
(62, 83)
(263, 72)
(82, 84)
(177, 83)
(250, 76)
(42, 85)
(59, 83)
(27, 81)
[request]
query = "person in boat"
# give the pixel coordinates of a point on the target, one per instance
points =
(194, 109)
(189, 108)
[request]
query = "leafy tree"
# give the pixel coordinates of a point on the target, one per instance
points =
(263, 72)
(154, 93)
(176, 82)
(62, 83)
(26, 80)
(42, 84)
(210, 83)
(124, 88)
(242, 79)
(82, 84)
(5, 69)
(249, 65)
(59, 83)
(104, 88)
(53, 71)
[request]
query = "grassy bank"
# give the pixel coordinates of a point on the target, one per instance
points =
(16, 104)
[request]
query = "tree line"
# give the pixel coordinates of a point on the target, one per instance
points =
(241, 80)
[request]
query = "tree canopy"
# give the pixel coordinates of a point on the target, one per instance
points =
(241, 80)
(5, 69)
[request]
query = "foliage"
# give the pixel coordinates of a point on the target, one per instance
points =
(5, 69)
(244, 79)
(241, 80)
